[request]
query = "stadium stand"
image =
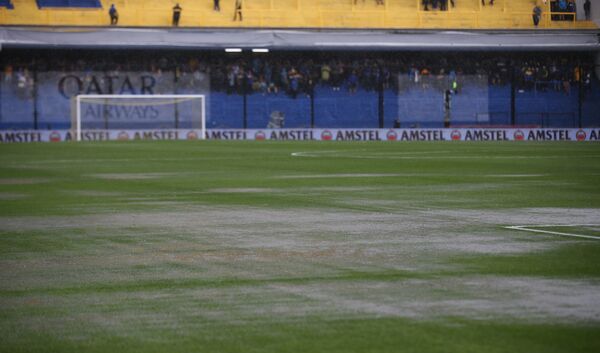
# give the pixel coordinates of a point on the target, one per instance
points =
(467, 14)
(315, 89)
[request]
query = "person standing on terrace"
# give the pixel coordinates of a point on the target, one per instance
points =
(537, 14)
(176, 14)
(114, 15)
(238, 10)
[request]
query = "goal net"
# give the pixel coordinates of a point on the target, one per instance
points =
(138, 112)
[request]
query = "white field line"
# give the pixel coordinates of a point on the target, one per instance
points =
(514, 175)
(529, 228)
(407, 175)
(358, 175)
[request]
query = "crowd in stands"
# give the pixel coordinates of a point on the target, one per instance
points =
(562, 7)
(442, 5)
(299, 73)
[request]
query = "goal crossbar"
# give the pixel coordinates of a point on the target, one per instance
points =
(81, 97)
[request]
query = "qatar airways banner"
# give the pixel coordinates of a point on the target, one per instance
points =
(310, 135)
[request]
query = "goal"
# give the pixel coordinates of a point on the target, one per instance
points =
(138, 112)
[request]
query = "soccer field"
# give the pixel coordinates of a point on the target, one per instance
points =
(215, 246)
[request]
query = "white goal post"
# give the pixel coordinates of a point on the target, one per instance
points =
(127, 101)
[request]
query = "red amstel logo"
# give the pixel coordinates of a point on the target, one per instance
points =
(192, 135)
(581, 135)
(326, 135)
(123, 136)
(392, 135)
(55, 136)
(455, 135)
(260, 136)
(519, 135)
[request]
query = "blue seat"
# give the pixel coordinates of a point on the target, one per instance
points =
(7, 3)
(69, 3)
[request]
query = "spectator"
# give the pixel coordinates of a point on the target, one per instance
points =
(325, 73)
(238, 10)
(537, 14)
(587, 8)
(294, 85)
(216, 6)
(562, 7)
(297, 73)
(426, 4)
(176, 14)
(8, 73)
(114, 15)
(336, 76)
(571, 8)
(444, 4)
(352, 82)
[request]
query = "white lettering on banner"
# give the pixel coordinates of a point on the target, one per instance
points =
(510, 134)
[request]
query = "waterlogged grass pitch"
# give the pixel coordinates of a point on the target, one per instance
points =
(299, 247)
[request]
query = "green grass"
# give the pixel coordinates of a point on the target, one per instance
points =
(569, 261)
(218, 246)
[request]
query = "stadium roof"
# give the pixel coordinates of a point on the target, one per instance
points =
(169, 38)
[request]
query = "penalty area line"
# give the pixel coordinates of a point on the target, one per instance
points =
(530, 228)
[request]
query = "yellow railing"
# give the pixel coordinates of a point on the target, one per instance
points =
(297, 15)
